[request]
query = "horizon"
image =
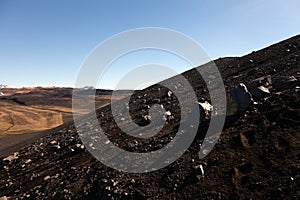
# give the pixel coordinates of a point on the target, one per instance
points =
(66, 87)
(43, 44)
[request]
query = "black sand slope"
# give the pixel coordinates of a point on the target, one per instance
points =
(257, 156)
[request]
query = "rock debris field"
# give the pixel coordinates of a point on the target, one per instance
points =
(256, 157)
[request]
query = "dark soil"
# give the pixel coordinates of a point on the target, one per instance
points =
(256, 157)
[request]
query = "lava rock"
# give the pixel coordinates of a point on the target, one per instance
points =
(284, 82)
(53, 148)
(260, 92)
(238, 100)
(259, 88)
(262, 81)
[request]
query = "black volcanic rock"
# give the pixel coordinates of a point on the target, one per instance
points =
(239, 99)
(285, 82)
(256, 157)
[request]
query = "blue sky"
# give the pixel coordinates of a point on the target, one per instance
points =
(44, 43)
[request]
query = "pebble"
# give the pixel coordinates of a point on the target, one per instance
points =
(12, 157)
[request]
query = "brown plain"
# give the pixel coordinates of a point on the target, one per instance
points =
(29, 110)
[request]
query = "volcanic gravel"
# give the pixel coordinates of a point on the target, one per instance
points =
(256, 157)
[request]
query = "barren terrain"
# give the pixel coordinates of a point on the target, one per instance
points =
(256, 157)
(28, 113)
(28, 110)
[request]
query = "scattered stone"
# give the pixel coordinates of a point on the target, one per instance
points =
(202, 170)
(132, 145)
(168, 116)
(32, 176)
(28, 161)
(170, 93)
(80, 146)
(238, 100)
(259, 88)
(12, 157)
(105, 180)
(53, 148)
(262, 81)
(260, 92)
(199, 171)
(147, 117)
(284, 82)
(53, 142)
(168, 113)
(205, 110)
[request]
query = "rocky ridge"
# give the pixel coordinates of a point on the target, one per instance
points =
(257, 155)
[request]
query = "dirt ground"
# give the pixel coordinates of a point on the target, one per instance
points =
(16, 119)
(256, 157)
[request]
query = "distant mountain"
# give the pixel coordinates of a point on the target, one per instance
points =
(3, 86)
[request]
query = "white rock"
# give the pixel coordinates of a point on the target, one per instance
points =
(206, 106)
(12, 157)
(168, 113)
(147, 117)
(28, 161)
(46, 178)
(53, 142)
(264, 89)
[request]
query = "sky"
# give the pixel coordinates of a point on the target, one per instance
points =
(44, 43)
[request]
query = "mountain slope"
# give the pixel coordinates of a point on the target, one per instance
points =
(256, 157)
